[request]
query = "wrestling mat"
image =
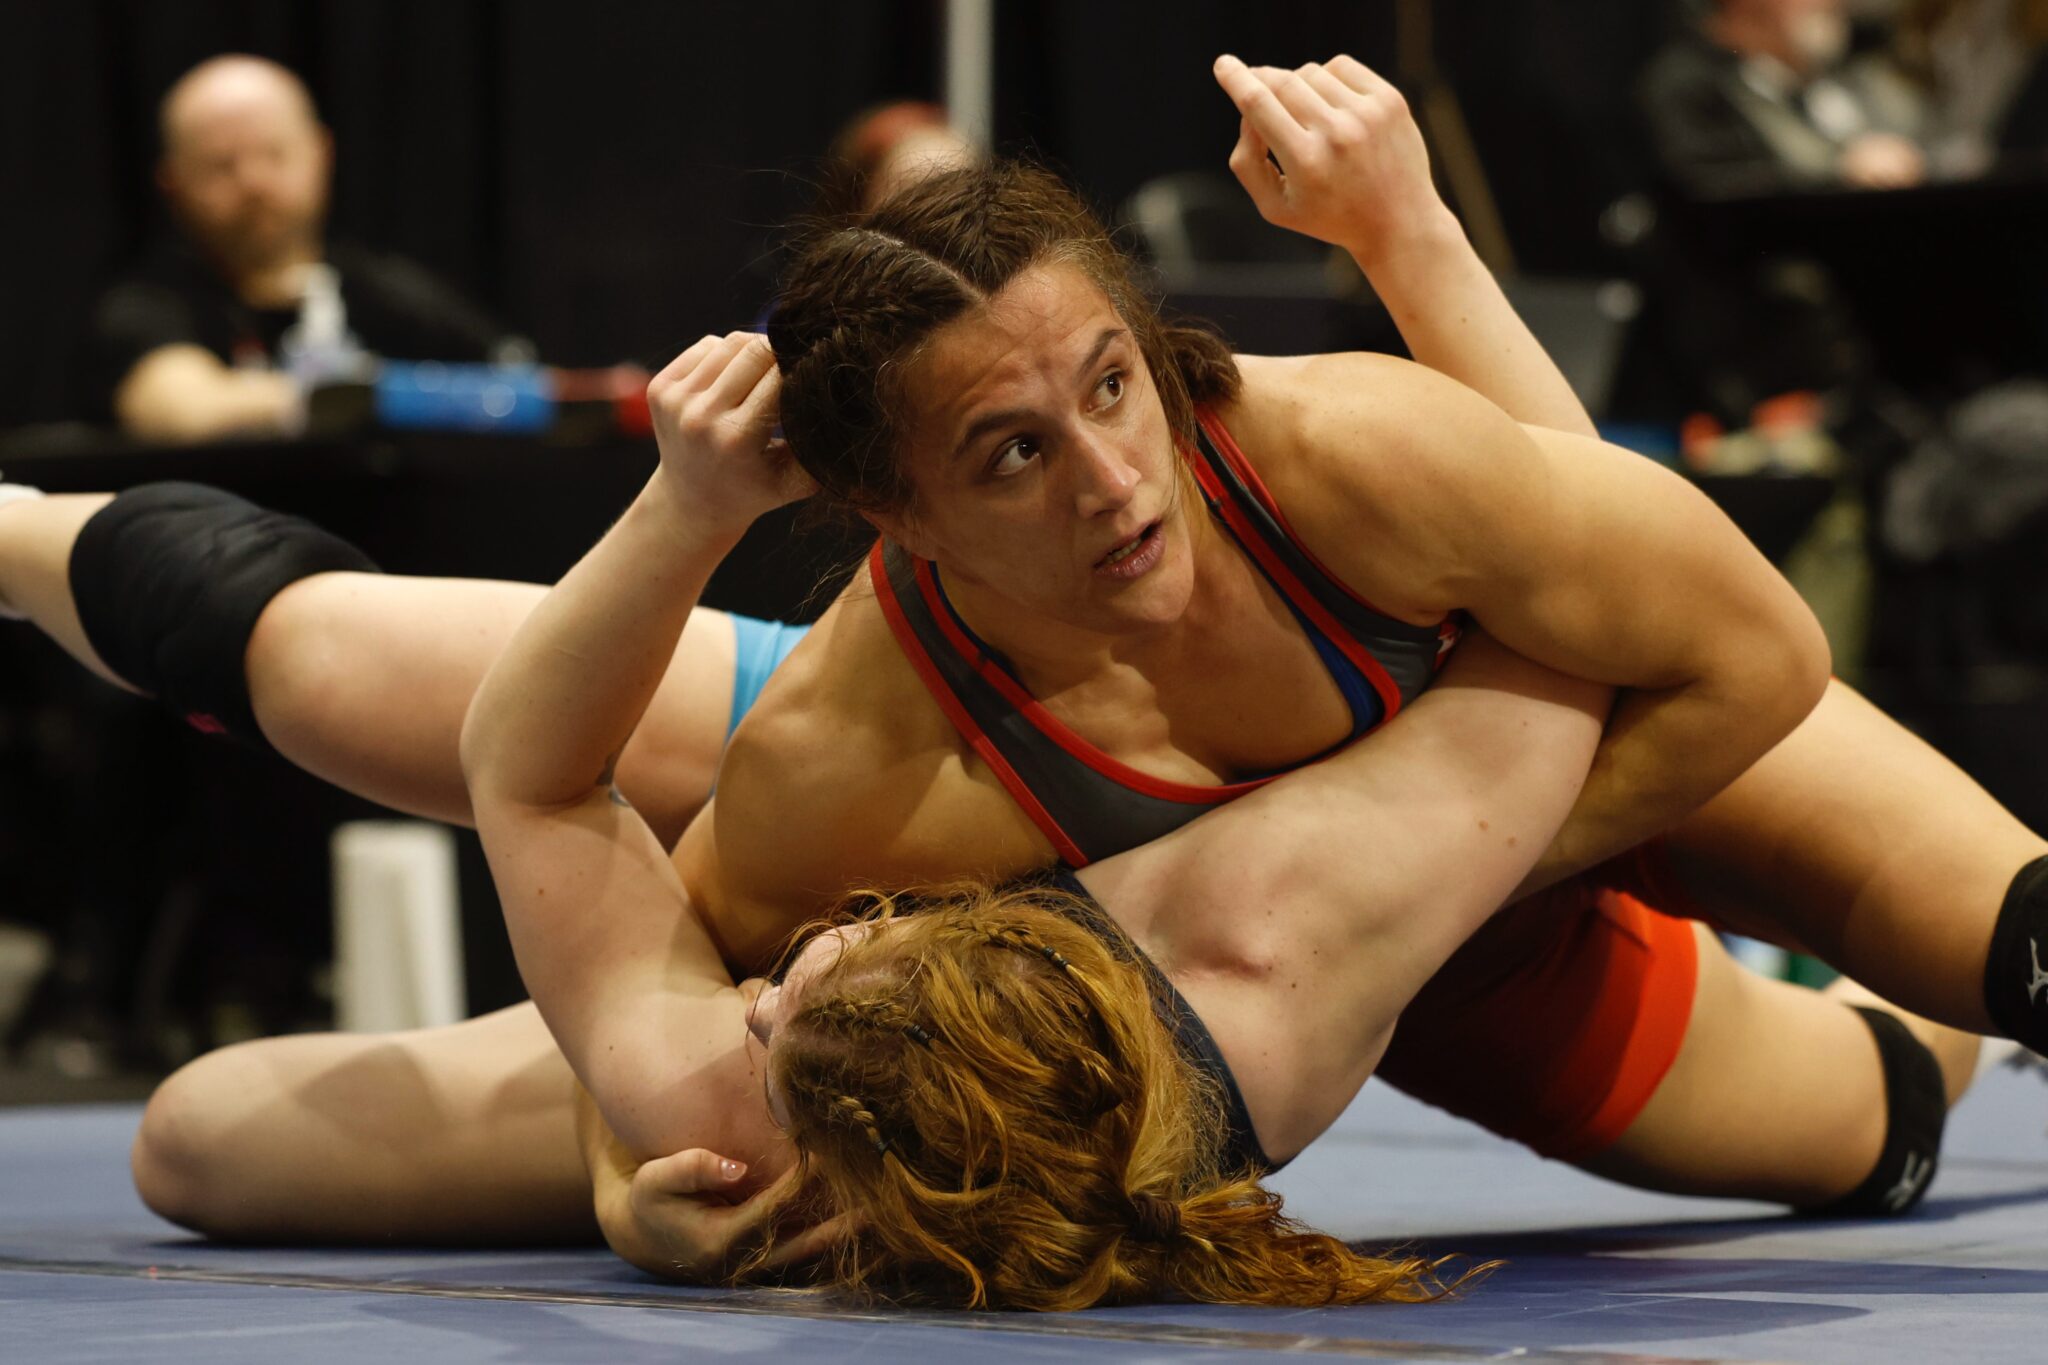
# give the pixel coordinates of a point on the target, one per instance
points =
(1595, 1272)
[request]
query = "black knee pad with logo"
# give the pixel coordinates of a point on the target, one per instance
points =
(2016, 972)
(1916, 1104)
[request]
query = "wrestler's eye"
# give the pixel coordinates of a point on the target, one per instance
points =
(1013, 457)
(1109, 390)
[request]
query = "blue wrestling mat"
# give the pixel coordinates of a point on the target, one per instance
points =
(1595, 1272)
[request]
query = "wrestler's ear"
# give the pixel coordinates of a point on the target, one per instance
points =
(902, 526)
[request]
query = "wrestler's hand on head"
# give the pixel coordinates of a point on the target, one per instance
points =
(1352, 170)
(684, 1223)
(714, 409)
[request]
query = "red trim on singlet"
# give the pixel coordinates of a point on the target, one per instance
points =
(1049, 725)
(1297, 592)
(942, 693)
(1226, 446)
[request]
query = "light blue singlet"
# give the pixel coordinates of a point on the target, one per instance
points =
(763, 645)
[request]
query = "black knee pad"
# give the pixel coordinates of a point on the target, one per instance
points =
(2015, 982)
(170, 578)
(1916, 1102)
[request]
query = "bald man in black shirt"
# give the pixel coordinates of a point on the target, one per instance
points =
(189, 347)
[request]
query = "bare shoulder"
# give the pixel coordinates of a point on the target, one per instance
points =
(1380, 465)
(845, 774)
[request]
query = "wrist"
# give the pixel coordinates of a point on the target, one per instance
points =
(1421, 240)
(694, 520)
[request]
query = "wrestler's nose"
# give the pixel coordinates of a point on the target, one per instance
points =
(1104, 477)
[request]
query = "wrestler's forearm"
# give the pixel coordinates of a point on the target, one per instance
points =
(611, 1169)
(558, 705)
(1663, 755)
(1456, 320)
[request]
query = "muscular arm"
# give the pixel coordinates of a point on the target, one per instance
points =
(1582, 556)
(184, 393)
(1301, 919)
(629, 982)
(1352, 171)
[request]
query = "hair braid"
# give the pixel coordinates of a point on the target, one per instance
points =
(866, 290)
(863, 1118)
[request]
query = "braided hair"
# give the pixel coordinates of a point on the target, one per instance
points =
(989, 1090)
(865, 291)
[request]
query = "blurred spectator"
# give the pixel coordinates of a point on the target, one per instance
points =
(880, 150)
(1763, 95)
(217, 333)
(1975, 59)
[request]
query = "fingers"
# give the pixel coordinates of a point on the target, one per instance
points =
(695, 1171)
(1308, 110)
(673, 372)
(809, 1244)
(710, 362)
(1336, 96)
(747, 358)
(1255, 170)
(757, 408)
(1360, 77)
(1261, 108)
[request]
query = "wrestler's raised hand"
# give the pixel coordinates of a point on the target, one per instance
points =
(1352, 168)
(714, 409)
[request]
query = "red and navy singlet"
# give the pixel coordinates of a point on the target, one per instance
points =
(1088, 804)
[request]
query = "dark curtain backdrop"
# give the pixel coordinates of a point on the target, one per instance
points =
(604, 176)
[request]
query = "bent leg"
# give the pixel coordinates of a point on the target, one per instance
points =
(1778, 1093)
(1595, 1030)
(363, 679)
(1856, 841)
(456, 1134)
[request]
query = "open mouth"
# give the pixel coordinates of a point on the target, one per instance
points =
(1134, 556)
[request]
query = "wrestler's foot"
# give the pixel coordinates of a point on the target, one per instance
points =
(11, 493)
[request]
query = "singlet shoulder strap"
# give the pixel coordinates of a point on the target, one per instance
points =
(1399, 658)
(1243, 1150)
(1085, 802)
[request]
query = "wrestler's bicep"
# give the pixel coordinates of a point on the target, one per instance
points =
(793, 822)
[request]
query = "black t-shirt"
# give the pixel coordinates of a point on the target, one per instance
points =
(394, 306)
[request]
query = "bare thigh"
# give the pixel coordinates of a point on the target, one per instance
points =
(364, 679)
(1776, 1094)
(456, 1134)
(1858, 842)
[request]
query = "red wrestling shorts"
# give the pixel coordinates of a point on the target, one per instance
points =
(1557, 1022)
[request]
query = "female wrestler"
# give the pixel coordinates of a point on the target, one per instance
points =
(969, 367)
(447, 1064)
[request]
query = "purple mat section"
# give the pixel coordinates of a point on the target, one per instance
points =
(1595, 1273)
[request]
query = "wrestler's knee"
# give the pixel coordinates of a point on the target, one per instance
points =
(296, 663)
(185, 1160)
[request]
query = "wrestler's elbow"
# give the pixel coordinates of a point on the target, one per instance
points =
(1773, 673)
(1803, 656)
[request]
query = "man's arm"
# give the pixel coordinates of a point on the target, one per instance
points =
(1353, 172)
(1580, 555)
(182, 393)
